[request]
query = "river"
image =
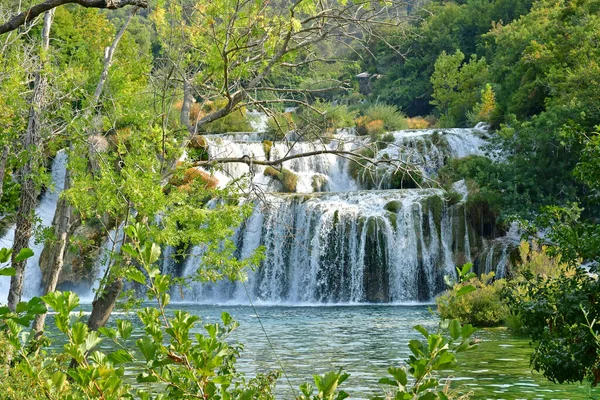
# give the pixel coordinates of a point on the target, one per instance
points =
(365, 340)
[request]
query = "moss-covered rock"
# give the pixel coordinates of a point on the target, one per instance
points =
(267, 146)
(288, 179)
(319, 183)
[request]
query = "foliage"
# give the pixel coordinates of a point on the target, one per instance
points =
(553, 312)
(436, 353)
(552, 300)
(236, 121)
(418, 123)
(170, 358)
(407, 56)
(485, 109)
(457, 87)
(326, 387)
(472, 299)
(378, 118)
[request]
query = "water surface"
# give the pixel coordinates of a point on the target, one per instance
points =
(365, 340)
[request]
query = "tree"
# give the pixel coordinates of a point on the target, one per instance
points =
(457, 87)
(221, 54)
(31, 140)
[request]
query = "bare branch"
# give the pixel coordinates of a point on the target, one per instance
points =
(29, 15)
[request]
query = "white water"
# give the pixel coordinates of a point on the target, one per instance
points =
(348, 245)
(382, 246)
(32, 283)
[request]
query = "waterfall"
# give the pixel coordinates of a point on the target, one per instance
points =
(32, 283)
(373, 246)
(347, 245)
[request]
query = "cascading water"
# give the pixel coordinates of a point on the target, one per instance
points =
(347, 245)
(32, 284)
(375, 246)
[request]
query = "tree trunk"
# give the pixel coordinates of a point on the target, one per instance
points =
(3, 167)
(62, 231)
(29, 189)
(103, 305)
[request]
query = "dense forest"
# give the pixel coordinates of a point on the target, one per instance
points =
(322, 152)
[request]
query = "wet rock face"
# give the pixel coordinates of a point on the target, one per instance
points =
(82, 251)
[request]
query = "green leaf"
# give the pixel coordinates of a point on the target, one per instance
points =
(108, 332)
(428, 396)
(465, 289)
(125, 328)
(455, 329)
(120, 356)
(388, 381)
(136, 275)
(416, 347)
(151, 253)
(399, 374)
(24, 254)
(21, 307)
(147, 347)
(79, 332)
(5, 255)
(422, 331)
(9, 271)
(467, 331)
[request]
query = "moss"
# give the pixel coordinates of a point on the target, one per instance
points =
(288, 179)
(393, 206)
(267, 146)
(453, 197)
(358, 167)
(405, 180)
(393, 218)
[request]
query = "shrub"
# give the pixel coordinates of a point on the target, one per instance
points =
(391, 117)
(534, 270)
(417, 123)
(374, 128)
(336, 116)
(234, 122)
(482, 306)
(536, 261)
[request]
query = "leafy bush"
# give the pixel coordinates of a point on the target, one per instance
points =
(366, 127)
(391, 117)
(170, 360)
(418, 123)
(336, 116)
(481, 306)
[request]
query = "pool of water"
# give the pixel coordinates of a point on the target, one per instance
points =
(366, 340)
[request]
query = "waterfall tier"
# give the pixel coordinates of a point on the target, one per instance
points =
(426, 151)
(365, 246)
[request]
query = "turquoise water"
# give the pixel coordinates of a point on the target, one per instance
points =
(365, 340)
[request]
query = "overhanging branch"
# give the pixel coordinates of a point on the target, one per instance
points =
(30, 14)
